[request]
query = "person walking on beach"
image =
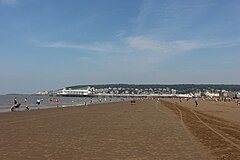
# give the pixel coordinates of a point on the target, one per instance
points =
(38, 102)
(196, 102)
(25, 101)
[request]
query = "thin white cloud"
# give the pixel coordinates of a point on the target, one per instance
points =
(120, 33)
(145, 44)
(145, 10)
(131, 45)
(96, 47)
(8, 2)
(166, 18)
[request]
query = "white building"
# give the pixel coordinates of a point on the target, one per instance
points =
(211, 95)
(197, 94)
(173, 91)
(42, 93)
(76, 92)
(238, 95)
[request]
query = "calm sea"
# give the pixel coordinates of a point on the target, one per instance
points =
(6, 101)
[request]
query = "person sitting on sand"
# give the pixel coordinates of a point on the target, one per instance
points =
(133, 102)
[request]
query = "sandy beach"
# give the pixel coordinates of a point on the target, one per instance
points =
(168, 129)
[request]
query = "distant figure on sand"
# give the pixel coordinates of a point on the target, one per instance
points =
(15, 104)
(133, 102)
(50, 100)
(38, 102)
(196, 102)
(57, 101)
(25, 101)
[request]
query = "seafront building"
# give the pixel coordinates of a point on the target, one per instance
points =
(88, 91)
(145, 92)
(42, 93)
(122, 92)
(212, 95)
(238, 95)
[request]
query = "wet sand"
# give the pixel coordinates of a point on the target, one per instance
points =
(147, 130)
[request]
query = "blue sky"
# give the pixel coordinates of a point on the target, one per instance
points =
(49, 44)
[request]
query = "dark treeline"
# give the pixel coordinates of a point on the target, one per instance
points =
(178, 87)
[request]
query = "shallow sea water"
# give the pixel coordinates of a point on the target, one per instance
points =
(6, 101)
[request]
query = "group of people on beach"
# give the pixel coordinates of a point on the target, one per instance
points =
(17, 105)
(237, 101)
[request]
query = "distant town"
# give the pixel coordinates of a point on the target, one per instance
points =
(221, 92)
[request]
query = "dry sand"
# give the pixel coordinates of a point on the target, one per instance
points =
(147, 130)
(214, 124)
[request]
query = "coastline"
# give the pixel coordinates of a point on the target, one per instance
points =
(6, 101)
